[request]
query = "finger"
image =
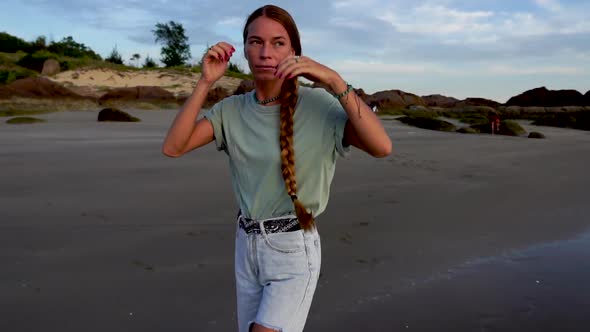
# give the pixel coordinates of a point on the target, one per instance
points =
(288, 65)
(221, 51)
(228, 50)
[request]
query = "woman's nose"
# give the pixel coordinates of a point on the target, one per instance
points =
(264, 51)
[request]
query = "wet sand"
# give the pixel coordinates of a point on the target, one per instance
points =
(100, 232)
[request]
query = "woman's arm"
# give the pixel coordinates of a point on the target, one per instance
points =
(363, 129)
(185, 133)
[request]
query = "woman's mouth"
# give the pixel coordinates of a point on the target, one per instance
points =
(266, 68)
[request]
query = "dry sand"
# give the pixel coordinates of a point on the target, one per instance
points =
(95, 82)
(100, 232)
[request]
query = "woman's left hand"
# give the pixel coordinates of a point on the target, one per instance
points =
(303, 66)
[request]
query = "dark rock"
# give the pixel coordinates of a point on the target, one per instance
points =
(138, 93)
(113, 114)
(478, 102)
(467, 130)
(535, 134)
(439, 101)
(50, 67)
(394, 99)
(547, 98)
(37, 87)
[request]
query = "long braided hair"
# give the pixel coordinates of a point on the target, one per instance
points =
(288, 100)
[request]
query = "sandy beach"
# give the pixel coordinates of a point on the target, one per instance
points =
(101, 232)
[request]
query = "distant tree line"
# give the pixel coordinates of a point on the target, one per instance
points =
(65, 47)
(175, 50)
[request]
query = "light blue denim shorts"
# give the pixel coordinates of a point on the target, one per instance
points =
(276, 277)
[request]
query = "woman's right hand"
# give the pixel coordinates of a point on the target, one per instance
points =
(215, 61)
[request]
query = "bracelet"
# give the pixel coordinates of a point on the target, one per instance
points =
(348, 89)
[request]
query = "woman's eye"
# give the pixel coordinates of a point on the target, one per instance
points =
(279, 44)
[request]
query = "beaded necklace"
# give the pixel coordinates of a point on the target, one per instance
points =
(266, 101)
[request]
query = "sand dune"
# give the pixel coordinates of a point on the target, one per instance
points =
(94, 82)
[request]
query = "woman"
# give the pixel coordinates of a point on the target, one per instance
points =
(278, 254)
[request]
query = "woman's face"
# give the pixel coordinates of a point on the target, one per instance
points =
(267, 45)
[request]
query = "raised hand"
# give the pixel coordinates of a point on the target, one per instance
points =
(303, 66)
(215, 61)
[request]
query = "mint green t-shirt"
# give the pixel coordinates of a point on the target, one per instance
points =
(249, 134)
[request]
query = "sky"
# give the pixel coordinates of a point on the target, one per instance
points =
(492, 49)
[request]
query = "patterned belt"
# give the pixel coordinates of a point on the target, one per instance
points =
(279, 225)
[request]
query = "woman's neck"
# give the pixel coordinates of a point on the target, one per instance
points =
(266, 89)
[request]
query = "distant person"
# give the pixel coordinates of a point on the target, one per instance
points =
(374, 108)
(268, 134)
(494, 119)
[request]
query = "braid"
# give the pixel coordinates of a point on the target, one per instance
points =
(288, 99)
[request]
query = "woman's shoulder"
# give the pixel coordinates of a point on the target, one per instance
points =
(317, 96)
(232, 103)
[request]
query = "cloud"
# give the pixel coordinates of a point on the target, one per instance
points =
(383, 68)
(551, 5)
(509, 70)
(437, 19)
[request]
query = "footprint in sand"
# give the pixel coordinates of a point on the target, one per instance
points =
(143, 265)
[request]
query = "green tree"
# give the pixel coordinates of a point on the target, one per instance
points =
(176, 51)
(149, 62)
(135, 58)
(12, 44)
(115, 57)
(69, 47)
(39, 44)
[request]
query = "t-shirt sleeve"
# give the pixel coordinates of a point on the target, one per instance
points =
(337, 119)
(215, 116)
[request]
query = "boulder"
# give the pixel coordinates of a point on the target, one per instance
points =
(547, 98)
(535, 134)
(50, 67)
(394, 99)
(37, 87)
(215, 95)
(478, 102)
(244, 87)
(138, 93)
(439, 101)
(114, 114)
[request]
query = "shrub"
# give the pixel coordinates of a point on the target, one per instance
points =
(509, 128)
(149, 62)
(8, 76)
(24, 120)
(115, 57)
(35, 61)
(12, 44)
(575, 120)
(428, 123)
(69, 47)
